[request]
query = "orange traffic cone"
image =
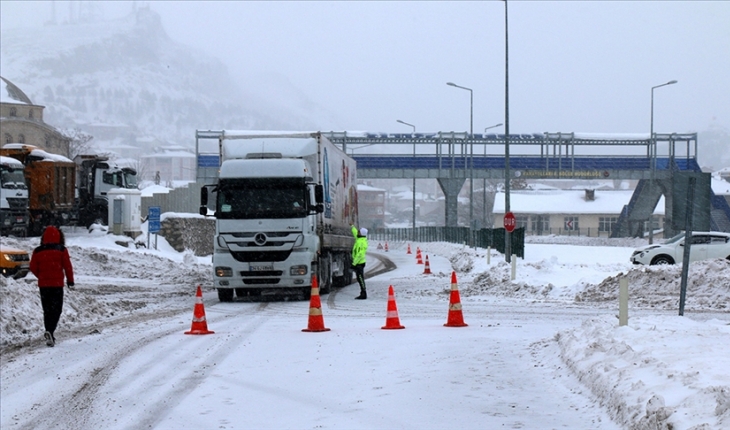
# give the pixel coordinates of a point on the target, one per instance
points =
(455, 319)
(418, 257)
(199, 326)
(427, 267)
(409, 249)
(391, 320)
(386, 246)
(316, 320)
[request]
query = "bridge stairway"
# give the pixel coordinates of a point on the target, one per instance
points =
(720, 213)
(640, 208)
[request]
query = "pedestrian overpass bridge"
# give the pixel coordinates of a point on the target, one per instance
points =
(661, 166)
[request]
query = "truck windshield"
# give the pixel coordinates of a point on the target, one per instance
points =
(262, 198)
(12, 179)
(130, 178)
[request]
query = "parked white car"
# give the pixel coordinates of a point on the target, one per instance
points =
(705, 245)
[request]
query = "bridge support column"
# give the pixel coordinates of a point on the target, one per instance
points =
(451, 189)
(668, 209)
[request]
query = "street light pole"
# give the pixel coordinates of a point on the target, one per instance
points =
(484, 197)
(413, 232)
(471, 144)
(507, 238)
(653, 156)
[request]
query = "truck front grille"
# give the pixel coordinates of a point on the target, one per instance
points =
(253, 256)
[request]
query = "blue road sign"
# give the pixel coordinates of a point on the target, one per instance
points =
(153, 219)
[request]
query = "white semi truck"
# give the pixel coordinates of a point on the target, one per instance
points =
(13, 198)
(284, 204)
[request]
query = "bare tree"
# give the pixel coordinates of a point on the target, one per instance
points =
(80, 141)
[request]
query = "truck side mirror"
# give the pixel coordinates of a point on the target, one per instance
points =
(204, 201)
(319, 194)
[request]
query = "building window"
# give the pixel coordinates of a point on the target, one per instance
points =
(21, 138)
(8, 138)
(540, 223)
(30, 114)
(571, 223)
(521, 221)
(607, 224)
(13, 111)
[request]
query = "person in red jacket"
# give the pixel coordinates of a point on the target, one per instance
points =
(49, 263)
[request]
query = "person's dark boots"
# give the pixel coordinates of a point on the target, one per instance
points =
(363, 295)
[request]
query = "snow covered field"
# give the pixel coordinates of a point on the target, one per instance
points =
(542, 351)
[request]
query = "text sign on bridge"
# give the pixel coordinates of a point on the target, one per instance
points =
(509, 222)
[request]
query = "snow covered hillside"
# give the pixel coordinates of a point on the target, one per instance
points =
(129, 75)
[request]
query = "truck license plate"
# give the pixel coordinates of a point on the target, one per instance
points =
(260, 267)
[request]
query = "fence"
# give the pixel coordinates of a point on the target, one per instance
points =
(182, 200)
(486, 237)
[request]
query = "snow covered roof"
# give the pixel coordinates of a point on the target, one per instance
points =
(363, 187)
(170, 154)
(10, 161)
(9, 93)
(720, 187)
(568, 202)
(46, 156)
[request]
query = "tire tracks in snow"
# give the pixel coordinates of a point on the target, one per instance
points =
(119, 371)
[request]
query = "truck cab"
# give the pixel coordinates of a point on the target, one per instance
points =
(284, 204)
(13, 198)
(95, 176)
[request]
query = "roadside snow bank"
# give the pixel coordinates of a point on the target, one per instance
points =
(654, 373)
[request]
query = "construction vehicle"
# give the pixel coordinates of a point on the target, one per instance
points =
(284, 205)
(62, 192)
(51, 180)
(95, 176)
(13, 198)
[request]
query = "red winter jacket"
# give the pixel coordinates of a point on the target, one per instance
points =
(51, 260)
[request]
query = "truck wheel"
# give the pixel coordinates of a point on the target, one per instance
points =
(225, 294)
(324, 274)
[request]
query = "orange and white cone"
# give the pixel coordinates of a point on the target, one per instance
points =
(386, 246)
(199, 325)
(391, 320)
(316, 319)
(418, 257)
(456, 318)
(409, 249)
(427, 267)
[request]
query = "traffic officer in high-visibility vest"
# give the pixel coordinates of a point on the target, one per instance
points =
(358, 258)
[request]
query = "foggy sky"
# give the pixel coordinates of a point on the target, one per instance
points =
(574, 66)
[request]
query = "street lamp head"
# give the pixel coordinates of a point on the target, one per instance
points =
(451, 84)
(493, 126)
(671, 82)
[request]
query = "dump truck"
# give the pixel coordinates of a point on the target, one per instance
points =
(51, 182)
(96, 175)
(13, 198)
(284, 204)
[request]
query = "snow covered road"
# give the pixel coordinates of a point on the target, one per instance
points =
(529, 357)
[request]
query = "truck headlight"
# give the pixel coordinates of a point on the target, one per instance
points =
(223, 272)
(298, 270)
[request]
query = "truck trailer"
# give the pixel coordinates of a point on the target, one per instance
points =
(284, 205)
